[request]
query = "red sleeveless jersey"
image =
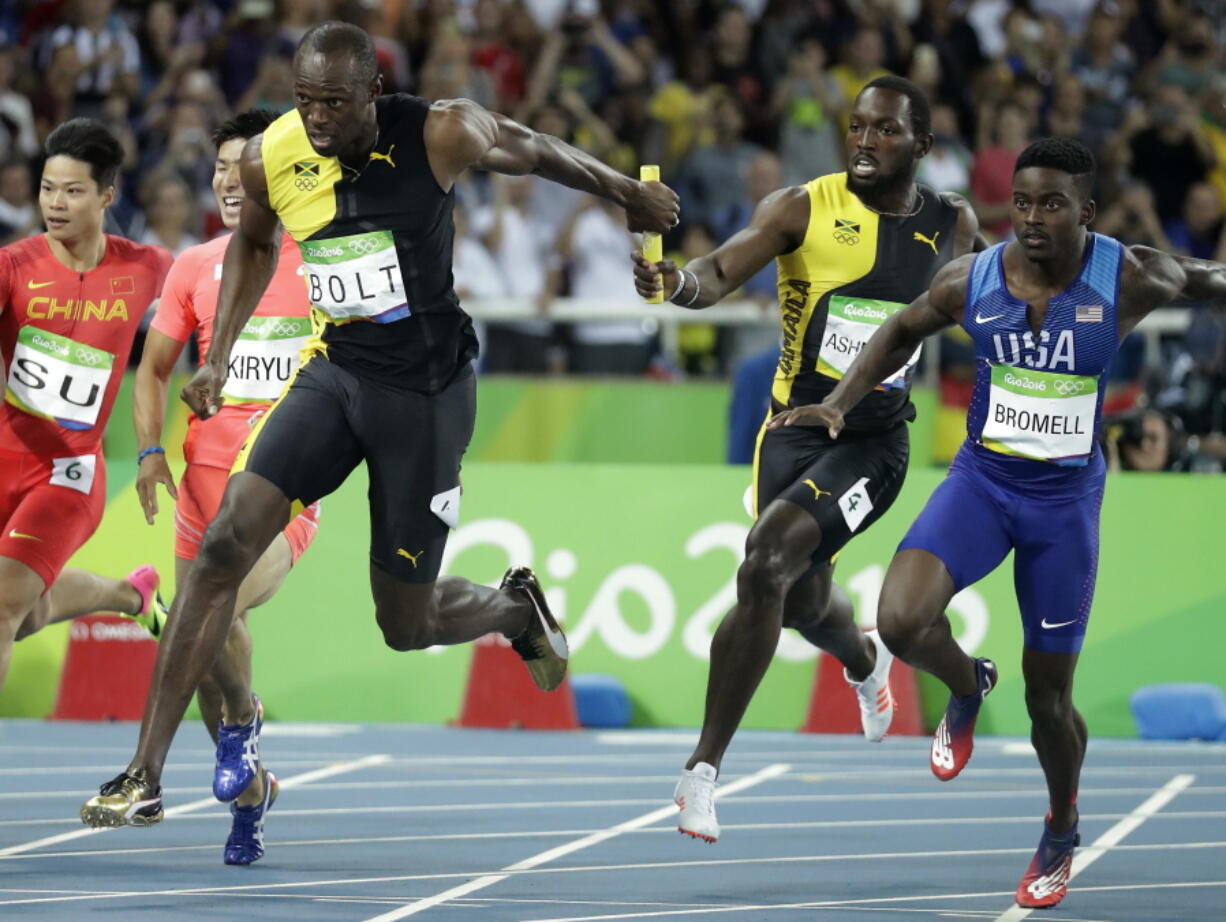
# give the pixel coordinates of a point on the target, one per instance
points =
(65, 338)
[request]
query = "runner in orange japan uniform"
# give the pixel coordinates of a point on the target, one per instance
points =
(262, 362)
(70, 303)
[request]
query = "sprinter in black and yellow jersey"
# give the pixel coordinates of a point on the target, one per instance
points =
(363, 182)
(852, 249)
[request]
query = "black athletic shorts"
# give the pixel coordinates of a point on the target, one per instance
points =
(329, 420)
(846, 484)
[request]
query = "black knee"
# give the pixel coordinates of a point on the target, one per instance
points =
(763, 576)
(223, 550)
(1049, 707)
(404, 631)
(898, 625)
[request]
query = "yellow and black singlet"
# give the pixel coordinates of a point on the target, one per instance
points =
(854, 270)
(376, 245)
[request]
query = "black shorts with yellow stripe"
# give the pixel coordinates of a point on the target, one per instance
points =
(329, 420)
(846, 484)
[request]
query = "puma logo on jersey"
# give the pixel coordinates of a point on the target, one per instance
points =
(375, 155)
(412, 558)
(817, 494)
(931, 241)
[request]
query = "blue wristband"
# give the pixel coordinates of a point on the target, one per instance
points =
(151, 450)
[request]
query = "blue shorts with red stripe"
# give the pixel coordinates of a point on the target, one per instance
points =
(973, 520)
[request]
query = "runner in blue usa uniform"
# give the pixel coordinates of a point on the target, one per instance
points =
(1046, 313)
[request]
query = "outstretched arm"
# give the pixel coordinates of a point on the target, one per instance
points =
(778, 226)
(1204, 281)
(461, 134)
(1154, 279)
(248, 267)
(888, 349)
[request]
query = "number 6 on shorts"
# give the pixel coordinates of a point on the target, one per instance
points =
(75, 473)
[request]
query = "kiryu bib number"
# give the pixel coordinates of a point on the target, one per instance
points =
(57, 378)
(264, 357)
(356, 277)
(850, 322)
(1040, 414)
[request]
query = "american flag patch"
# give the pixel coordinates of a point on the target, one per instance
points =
(1089, 313)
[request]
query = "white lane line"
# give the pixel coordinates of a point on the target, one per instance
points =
(870, 903)
(807, 776)
(656, 831)
(265, 889)
(1113, 836)
(560, 851)
(290, 782)
(874, 797)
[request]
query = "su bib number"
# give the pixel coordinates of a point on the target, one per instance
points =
(57, 378)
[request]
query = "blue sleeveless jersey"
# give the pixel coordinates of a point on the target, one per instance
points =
(1079, 337)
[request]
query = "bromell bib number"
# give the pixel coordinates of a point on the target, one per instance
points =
(264, 358)
(57, 378)
(1040, 414)
(356, 277)
(849, 324)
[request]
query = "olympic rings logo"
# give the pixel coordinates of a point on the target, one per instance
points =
(88, 358)
(1070, 387)
(363, 246)
(846, 238)
(305, 183)
(288, 329)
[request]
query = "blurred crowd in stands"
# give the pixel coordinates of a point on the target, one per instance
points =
(733, 99)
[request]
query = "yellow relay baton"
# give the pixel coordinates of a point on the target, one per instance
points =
(653, 245)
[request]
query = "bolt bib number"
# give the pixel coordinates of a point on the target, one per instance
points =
(75, 473)
(356, 277)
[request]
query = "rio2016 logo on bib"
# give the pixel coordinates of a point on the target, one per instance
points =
(1040, 415)
(850, 322)
(58, 378)
(356, 277)
(264, 357)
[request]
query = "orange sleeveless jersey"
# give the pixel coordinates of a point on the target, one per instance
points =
(264, 357)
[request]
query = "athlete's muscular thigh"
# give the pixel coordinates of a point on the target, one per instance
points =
(414, 469)
(305, 444)
(845, 485)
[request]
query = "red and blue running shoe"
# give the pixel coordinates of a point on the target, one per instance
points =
(955, 737)
(246, 842)
(238, 755)
(1046, 881)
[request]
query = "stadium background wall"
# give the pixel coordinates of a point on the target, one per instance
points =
(639, 559)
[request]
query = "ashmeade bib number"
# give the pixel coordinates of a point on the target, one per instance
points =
(356, 277)
(849, 324)
(1040, 414)
(58, 378)
(264, 357)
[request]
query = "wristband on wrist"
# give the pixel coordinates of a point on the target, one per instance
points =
(697, 289)
(151, 450)
(685, 276)
(680, 284)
